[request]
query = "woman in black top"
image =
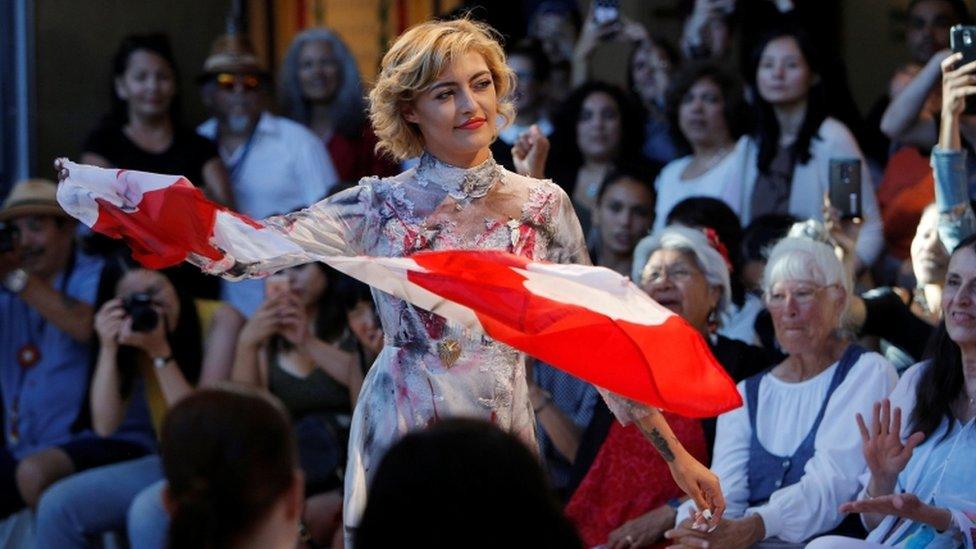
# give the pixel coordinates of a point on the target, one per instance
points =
(143, 131)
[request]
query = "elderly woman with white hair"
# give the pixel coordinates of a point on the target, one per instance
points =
(320, 87)
(791, 455)
(626, 497)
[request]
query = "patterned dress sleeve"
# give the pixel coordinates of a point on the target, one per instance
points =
(335, 226)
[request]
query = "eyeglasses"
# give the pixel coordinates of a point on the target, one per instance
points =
(802, 295)
(227, 81)
(678, 273)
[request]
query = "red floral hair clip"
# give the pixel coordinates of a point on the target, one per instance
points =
(716, 243)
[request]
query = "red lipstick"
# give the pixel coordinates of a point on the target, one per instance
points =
(472, 124)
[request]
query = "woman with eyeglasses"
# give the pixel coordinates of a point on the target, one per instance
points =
(625, 498)
(791, 455)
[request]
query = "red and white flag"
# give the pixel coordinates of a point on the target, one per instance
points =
(588, 321)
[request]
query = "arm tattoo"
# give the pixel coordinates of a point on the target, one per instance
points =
(662, 446)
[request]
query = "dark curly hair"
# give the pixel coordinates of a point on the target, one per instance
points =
(565, 151)
(734, 108)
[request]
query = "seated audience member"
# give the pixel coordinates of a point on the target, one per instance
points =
(231, 471)
(320, 87)
(265, 154)
(906, 317)
(795, 140)
(530, 64)
(143, 131)
(485, 485)
(790, 456)
(294, 346)
(46, 326)
(597, 129)
(147, 521)
(149, 356)
(627, 495)
(564, 404)
(711, 214)
(708, 117)
(920, 490)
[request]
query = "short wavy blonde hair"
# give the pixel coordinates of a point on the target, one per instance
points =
(413, 64)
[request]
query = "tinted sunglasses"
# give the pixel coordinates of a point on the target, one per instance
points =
(227, 81)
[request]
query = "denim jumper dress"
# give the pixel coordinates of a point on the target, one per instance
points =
(768, 472)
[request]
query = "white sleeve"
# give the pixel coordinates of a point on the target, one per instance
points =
(314, 170)
(730, 461)
(831, 476)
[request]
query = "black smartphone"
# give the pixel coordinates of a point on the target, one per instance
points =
(962, 39)
(845, 187)
(606, 11)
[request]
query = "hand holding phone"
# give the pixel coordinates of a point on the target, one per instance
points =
(962, 39)
(845, 187)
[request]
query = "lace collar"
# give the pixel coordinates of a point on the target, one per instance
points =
(461, 184)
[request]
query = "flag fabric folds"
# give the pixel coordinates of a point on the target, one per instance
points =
(588, 321)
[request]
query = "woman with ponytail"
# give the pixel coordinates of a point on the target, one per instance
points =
(231, 465)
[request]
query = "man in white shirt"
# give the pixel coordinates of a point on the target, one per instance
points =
(276, 165)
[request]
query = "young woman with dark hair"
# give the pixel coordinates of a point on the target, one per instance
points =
(149, 358)
(921, 490)
(144, 132)
(796, 138)
(232, 472)
(598, 126)
(296, 346)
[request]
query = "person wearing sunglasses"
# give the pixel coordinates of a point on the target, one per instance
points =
(276, 165)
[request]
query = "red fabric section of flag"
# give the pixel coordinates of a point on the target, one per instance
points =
(667, 366)
(167, 224)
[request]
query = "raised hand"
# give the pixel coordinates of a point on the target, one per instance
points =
(884, 451)
(957, 84)
(529, 153)
(108, 323)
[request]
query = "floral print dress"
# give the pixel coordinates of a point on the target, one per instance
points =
(430, 368)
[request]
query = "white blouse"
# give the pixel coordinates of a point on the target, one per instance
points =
(724, 181)
(786, 413)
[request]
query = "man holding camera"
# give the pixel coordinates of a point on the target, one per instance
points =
(47, 289)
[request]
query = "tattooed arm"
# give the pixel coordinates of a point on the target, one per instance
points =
(692, 477)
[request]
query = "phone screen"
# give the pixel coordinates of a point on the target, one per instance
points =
(845, 186)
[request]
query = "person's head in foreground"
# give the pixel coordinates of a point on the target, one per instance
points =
(231, 465)
(462, 483)
(442, 88)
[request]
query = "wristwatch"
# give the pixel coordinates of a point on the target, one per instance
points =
(15, 281)
(160, 362)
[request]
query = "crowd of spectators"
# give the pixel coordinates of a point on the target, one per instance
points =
(171, 408)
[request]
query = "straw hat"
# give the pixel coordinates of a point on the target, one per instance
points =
(32, 197)
(232, 53)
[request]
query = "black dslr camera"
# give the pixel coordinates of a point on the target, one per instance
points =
(8, 237)
(139, 307)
